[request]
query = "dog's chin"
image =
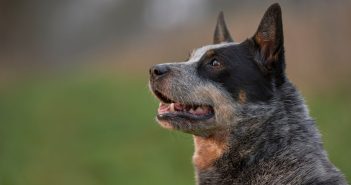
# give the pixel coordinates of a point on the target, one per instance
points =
(197, 119)
(187, 123)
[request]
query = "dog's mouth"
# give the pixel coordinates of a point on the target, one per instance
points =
(169, 109)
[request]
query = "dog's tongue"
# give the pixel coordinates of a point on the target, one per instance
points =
(200, 110)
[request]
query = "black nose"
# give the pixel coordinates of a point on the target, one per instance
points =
(159, 70)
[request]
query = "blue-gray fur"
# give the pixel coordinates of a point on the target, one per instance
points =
(274, 143)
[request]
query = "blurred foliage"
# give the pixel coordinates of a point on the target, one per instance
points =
(96, 129)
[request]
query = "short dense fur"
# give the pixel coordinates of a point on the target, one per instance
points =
(261, 131)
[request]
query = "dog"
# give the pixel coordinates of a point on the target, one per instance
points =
(250, 124)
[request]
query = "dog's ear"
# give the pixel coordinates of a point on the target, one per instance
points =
(269, 40)
(221, 33)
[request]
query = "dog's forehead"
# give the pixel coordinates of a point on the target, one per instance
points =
(199, 52)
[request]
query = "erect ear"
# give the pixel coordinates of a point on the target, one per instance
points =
(221, 33)
(269, 39)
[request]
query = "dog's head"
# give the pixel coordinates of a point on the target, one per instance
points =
(206, 92)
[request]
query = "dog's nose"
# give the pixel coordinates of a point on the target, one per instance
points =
(159, 70)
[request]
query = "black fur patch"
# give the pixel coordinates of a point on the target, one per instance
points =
(238, 71)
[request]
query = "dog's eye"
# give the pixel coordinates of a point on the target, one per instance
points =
(215, 63)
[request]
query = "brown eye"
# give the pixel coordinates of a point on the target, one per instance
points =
(215, 63)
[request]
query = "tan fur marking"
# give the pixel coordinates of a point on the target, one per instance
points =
(209, 149)
(165, 125)
(242, 97)
(210, 53)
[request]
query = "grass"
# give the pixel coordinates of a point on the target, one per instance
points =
(100, 130)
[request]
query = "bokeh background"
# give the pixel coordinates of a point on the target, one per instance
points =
(74, 102)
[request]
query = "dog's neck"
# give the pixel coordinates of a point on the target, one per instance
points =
(229, 151)
(209, 149)
(222, 153)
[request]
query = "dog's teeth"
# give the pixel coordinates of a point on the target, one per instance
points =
(199, 110)
(171, 106)
(192, 111)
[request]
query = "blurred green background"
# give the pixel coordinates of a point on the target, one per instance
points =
(74, 101)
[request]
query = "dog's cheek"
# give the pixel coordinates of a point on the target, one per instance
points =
(222, 101)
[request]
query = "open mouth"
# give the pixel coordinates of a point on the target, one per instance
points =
(172, 109)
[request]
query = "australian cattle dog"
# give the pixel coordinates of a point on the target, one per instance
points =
(250, 124)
